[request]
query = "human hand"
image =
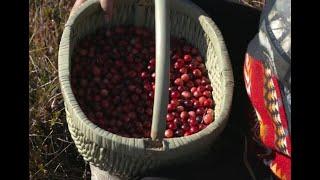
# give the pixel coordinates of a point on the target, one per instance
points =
(106, 5)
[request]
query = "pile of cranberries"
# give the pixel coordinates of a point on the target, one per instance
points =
(113, 79)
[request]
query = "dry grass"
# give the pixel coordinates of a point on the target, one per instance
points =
(53, 154)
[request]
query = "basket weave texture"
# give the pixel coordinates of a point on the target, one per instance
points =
(129, 157)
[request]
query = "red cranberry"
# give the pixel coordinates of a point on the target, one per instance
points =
(207, 119)
(192, 114)
(153, 75)
(202, 99)
(207, 94)
(172, 126)
(175, 94)
(193, 89)
(174, 102)
(201, 88)
(178, 82)
(200, 111)
(194, 129)
(210, 111)
(179, 132)
(168, 133)
(180, 108)
(208, 87)
(185, 126)
(144, 75)
(207, 103)
(170, 117)
(181, 88)
(187, 133)
(185, 77)
(187, 58)
(196, 73)
(202, 126)
(184, 115)
(178, 64)
(186, 94)
(192, 121)
(171, 107)
(196, 94)
(183, 70)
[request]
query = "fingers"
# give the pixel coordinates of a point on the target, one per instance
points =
(76, 5)
(107, 6)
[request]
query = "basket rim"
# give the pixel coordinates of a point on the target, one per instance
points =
(100, 135)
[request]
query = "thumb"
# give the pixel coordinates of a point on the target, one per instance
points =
(107, 6)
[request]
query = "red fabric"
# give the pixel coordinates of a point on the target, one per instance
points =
(264, 93)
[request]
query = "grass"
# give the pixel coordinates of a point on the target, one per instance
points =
(52, 153)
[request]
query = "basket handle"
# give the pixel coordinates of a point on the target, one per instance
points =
(161, 96)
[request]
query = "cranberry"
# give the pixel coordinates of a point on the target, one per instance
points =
(199, 119)
(194, 129)
(178, 82)
(170, 117)
(207, 103)
(192, 121)
(207, 119)
(144, 75)
(183, 70)
(187, 133)
(192, 114)
(210, 111)
(172, 126)
(180, 108)
(207, 94)
(179, 132)
(202, 126)
(181, 88)
(175, 94)
(197, 94)
(184, 115)
(185, 77)
(197, 73)
(193, 89)
(185, 126)
(171, 107)
(201, 88)
(174, 102)
(168, 133)
(208, 87)
(177, 121)
(200, 111)
(178, 64)
(202, 99)
(187, 58)
(186, 94)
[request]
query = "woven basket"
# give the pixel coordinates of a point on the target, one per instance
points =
(129, 157)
